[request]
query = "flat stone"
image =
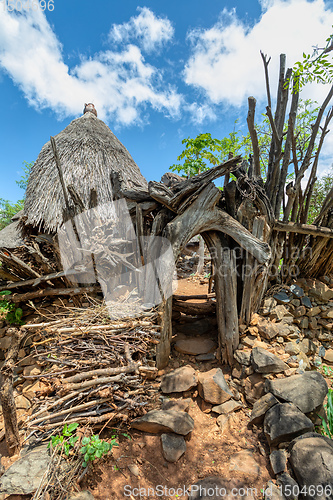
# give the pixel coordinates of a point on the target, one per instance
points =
(311, 458)
(195, 346)
(22, 403)
(260, 408)
(314, 311)
(156, 421)
(245, 463)
(292, 348)
(265, 362)
(282, 298)
(321, 291)
(227, 407)
(243, 357)
(306, 391)
(278, 460)
(210, 356)
(327, 314)
(249, 341)
(297, 291)
(24, 476)
(179, 380)
(134, 469)
(328, 356)
(173, 447)
(279, 312)
(177, 404)
(268, 306)
(213, 388)
(307, 346)
(31, 370)
(303, 322)
(283, 422)
(305, 301)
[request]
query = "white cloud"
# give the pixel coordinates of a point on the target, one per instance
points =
(150, 31)
(121, 84)
(201, 113)
(225, 62)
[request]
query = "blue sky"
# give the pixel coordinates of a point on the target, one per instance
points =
(157, 71)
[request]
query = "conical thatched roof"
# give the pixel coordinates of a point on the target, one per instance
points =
(89, 154)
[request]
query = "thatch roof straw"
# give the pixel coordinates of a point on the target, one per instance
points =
(89, 153)
(10, 236)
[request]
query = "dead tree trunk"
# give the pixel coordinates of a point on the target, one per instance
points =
(6, 394)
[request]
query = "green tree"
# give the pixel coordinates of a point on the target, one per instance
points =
(320, 191)
(9, 209)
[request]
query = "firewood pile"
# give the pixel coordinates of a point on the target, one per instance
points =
(91, 370)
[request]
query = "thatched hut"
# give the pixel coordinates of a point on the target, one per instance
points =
(93, 161)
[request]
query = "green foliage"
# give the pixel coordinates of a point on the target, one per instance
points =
(8, 209)
(314, 68)
(327, 371)
(65, 440)
(12, 314)
(320, 191)
(23, 181)
(327, 426)
(93, 448)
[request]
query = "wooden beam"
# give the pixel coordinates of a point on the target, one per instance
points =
(294, 227)
(194, 297)
(48, 292)
(194, 308)
(36, 281)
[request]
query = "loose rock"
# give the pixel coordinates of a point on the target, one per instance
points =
(156, 421)
(213, 388)
(265, 362)
(195, 346)
(278, 460)
(173, 446)
(260, 408)
(179, 380)
(284, 422)
(306, 391)
(227, 407)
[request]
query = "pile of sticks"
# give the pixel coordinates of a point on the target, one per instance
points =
(95, 371)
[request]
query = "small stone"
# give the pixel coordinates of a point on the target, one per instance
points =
(328, 356)
(303, 322)
(297, 291)
(260, 408)
(299, 311)
(278, 460)
(195, 346)
(249, 341)
(321, 291)
(227, 407)
(292, 348)
(134, 469)
(306, 302)
(213, 388)
(304, 362)
(295, 302)
(282, 298)
(173, 447)
(179, 380)
(176, 404)
(264, 361)
(268, 306)
(156, 421)
(314, 311)
(243, 357)
(280, 340)
(272, 492)
(22, 403)
(307, 346)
